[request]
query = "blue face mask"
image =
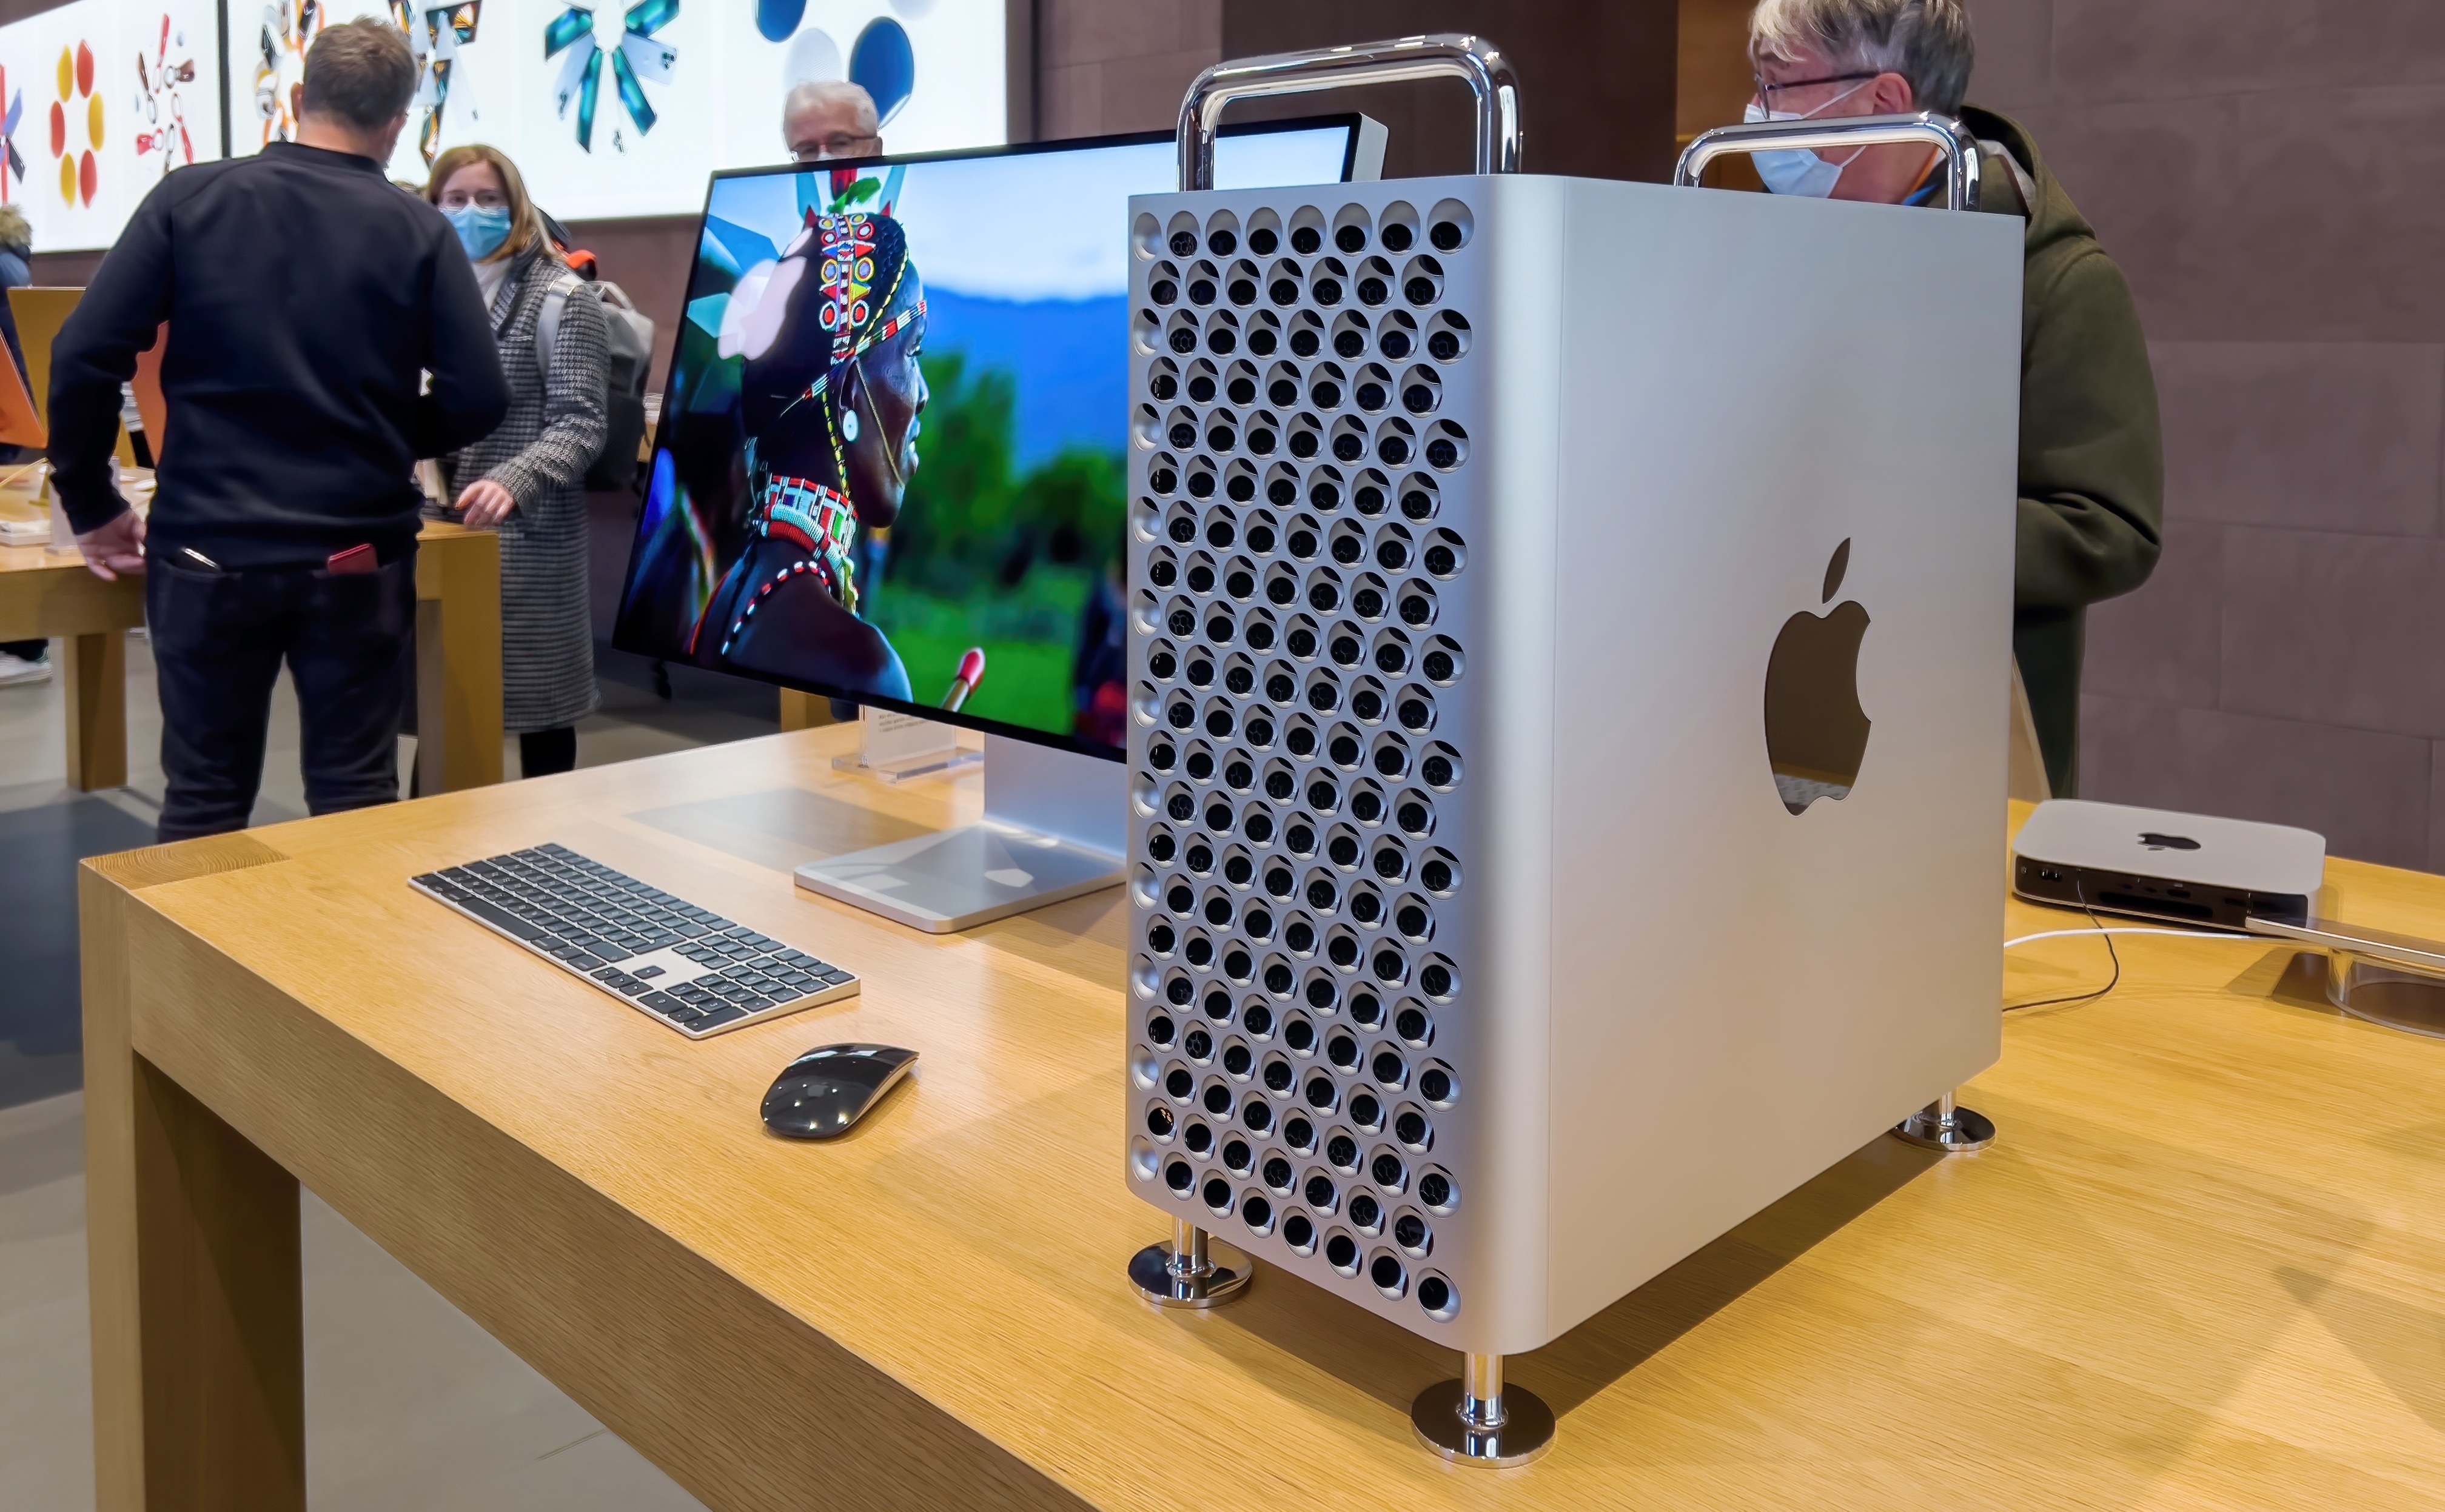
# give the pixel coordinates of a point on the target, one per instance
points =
(480, 228)
(1798, 171)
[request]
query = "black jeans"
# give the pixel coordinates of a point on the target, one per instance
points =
(219, 640)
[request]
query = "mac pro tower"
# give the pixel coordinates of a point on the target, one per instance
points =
(1570, 628)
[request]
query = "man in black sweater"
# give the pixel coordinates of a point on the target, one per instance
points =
(324, 331)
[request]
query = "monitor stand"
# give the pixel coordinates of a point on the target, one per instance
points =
(1055, 826)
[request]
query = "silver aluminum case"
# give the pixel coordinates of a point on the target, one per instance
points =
(1678, 1001)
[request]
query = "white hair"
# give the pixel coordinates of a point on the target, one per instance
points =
(1927, 42)
(819, 92)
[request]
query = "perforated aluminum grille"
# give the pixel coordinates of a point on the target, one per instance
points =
(1297, 556)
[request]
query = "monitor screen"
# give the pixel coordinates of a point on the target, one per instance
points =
(891, 464)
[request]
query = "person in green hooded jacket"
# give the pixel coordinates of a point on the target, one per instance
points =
(2092, 460)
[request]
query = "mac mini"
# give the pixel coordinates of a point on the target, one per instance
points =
(2155, 863)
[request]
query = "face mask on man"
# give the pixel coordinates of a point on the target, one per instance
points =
(480, 228)
(1799, 171)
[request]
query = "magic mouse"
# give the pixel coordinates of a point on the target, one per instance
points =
(823, 1092)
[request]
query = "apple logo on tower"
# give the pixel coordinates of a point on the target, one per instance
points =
(1815, 732)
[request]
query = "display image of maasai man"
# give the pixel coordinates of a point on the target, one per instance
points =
(830, 390)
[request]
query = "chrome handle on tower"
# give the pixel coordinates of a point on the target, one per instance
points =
(1942, 132)
(1444, 55)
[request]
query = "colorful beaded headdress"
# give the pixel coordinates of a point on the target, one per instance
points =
(849, 252)
(852, 255)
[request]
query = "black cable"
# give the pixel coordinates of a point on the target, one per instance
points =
(2081, 885)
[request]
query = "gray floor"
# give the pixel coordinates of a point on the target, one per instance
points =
(408, 1404)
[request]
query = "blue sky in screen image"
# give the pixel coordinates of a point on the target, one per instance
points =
(1026, 262)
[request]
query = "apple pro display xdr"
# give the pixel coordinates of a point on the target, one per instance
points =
(1569, 652)
(890, 464)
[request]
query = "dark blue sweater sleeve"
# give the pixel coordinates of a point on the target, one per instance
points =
(95, 352)
(468, 395)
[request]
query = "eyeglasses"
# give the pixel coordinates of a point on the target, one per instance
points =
(837, 145)
(1766, 92)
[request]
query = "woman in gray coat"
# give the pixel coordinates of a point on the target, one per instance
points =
(528, 478)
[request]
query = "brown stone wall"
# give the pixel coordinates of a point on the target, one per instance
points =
(1107, 65)
(2265, 172)
(1596, 81)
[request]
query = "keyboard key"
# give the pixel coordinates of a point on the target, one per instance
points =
(501, 919)
(719, 1017)
(836, 977)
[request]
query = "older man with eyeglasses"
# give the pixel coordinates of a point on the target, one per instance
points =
(2092, 470)
(831, 119)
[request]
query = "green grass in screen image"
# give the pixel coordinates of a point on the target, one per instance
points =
(1027, 677)
(986, 555)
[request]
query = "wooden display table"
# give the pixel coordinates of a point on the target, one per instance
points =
(49, 594)
(457, 656)
(2203, 1265)
(457, 635)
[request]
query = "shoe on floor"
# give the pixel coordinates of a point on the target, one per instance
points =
(16, 669)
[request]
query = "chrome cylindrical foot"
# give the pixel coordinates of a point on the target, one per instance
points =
(1476, 1420)
(1193, 1271)
(1944, 1124)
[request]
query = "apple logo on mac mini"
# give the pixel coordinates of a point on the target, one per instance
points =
(1815, 732)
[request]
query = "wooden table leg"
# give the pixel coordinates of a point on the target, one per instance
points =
(192, 1243)
(458, 660)
(93, 668)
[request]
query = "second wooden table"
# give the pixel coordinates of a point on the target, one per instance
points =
(52, 594)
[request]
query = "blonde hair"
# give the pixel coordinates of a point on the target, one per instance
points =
(16, 233)
(526, 223)
(1927, 42)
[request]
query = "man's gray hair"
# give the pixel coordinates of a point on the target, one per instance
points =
(1927, 42)
(832, 91)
